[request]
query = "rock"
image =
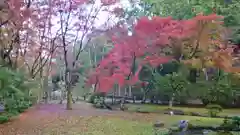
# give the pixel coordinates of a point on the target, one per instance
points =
(158, 124)
(173, 112)
(195, 114)
(183, 124)
(2, 108)
(178, 112)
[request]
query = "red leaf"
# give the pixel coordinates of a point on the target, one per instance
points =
(120, 78)
(147, 45)
(105, 84)
(156, 61)
(134, 79)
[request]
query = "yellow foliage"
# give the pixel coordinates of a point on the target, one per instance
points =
(203, 37)
(197, 63)
(207, 49)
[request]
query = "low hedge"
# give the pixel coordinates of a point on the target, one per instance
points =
(177, 112)
(4, 119)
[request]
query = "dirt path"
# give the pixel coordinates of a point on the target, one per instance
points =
(38, 118)
(53, 119)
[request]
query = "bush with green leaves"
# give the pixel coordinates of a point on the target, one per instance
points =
(236, 121)
(98, 103)
(95, 97)
(233, 123)
(3, 119)
(14, 92)
(214, 109)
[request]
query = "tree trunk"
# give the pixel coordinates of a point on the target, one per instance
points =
(113, 95)
(73, 101)
(122, 103)
(62, 97)
(145, 92)
(45, 97)
(134, 99)
(45, 88)
(171, 101)
(144, 98)
(119, 91)
(68, 87)
(206, 74)
(69, 99)
(130, 91)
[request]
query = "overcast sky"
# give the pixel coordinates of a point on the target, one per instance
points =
(101, 19)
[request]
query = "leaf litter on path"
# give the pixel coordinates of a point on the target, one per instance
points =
(53, 119)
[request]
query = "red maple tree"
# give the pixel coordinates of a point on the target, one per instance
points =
(148, 44)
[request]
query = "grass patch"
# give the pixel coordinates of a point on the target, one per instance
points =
(113, 125)
(159, 108)
(118, 123)
(116, 126)
(201, 121)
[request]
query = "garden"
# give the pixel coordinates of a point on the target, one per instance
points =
(101, 67)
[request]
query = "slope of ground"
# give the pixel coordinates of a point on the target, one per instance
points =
(53, 119)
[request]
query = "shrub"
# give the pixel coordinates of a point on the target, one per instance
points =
(92, 98)
(214, 109)
(22, 106)
(236, 121)
(15, 106)
(97, 100)
(11, 105)
(96, 96)
(3, 119)
(15, 93)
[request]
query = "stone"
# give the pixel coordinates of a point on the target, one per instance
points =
(173, 112)
(178, 112)
(195, 114)
(2, 108)
(183, 125)
(158, 124)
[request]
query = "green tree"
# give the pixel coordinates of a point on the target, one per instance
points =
(171, 85)
(220, 89)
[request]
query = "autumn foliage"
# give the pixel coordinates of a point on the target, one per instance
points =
(31, 30)
(153, 42)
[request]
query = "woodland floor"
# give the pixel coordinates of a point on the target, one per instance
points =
(53, 119)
